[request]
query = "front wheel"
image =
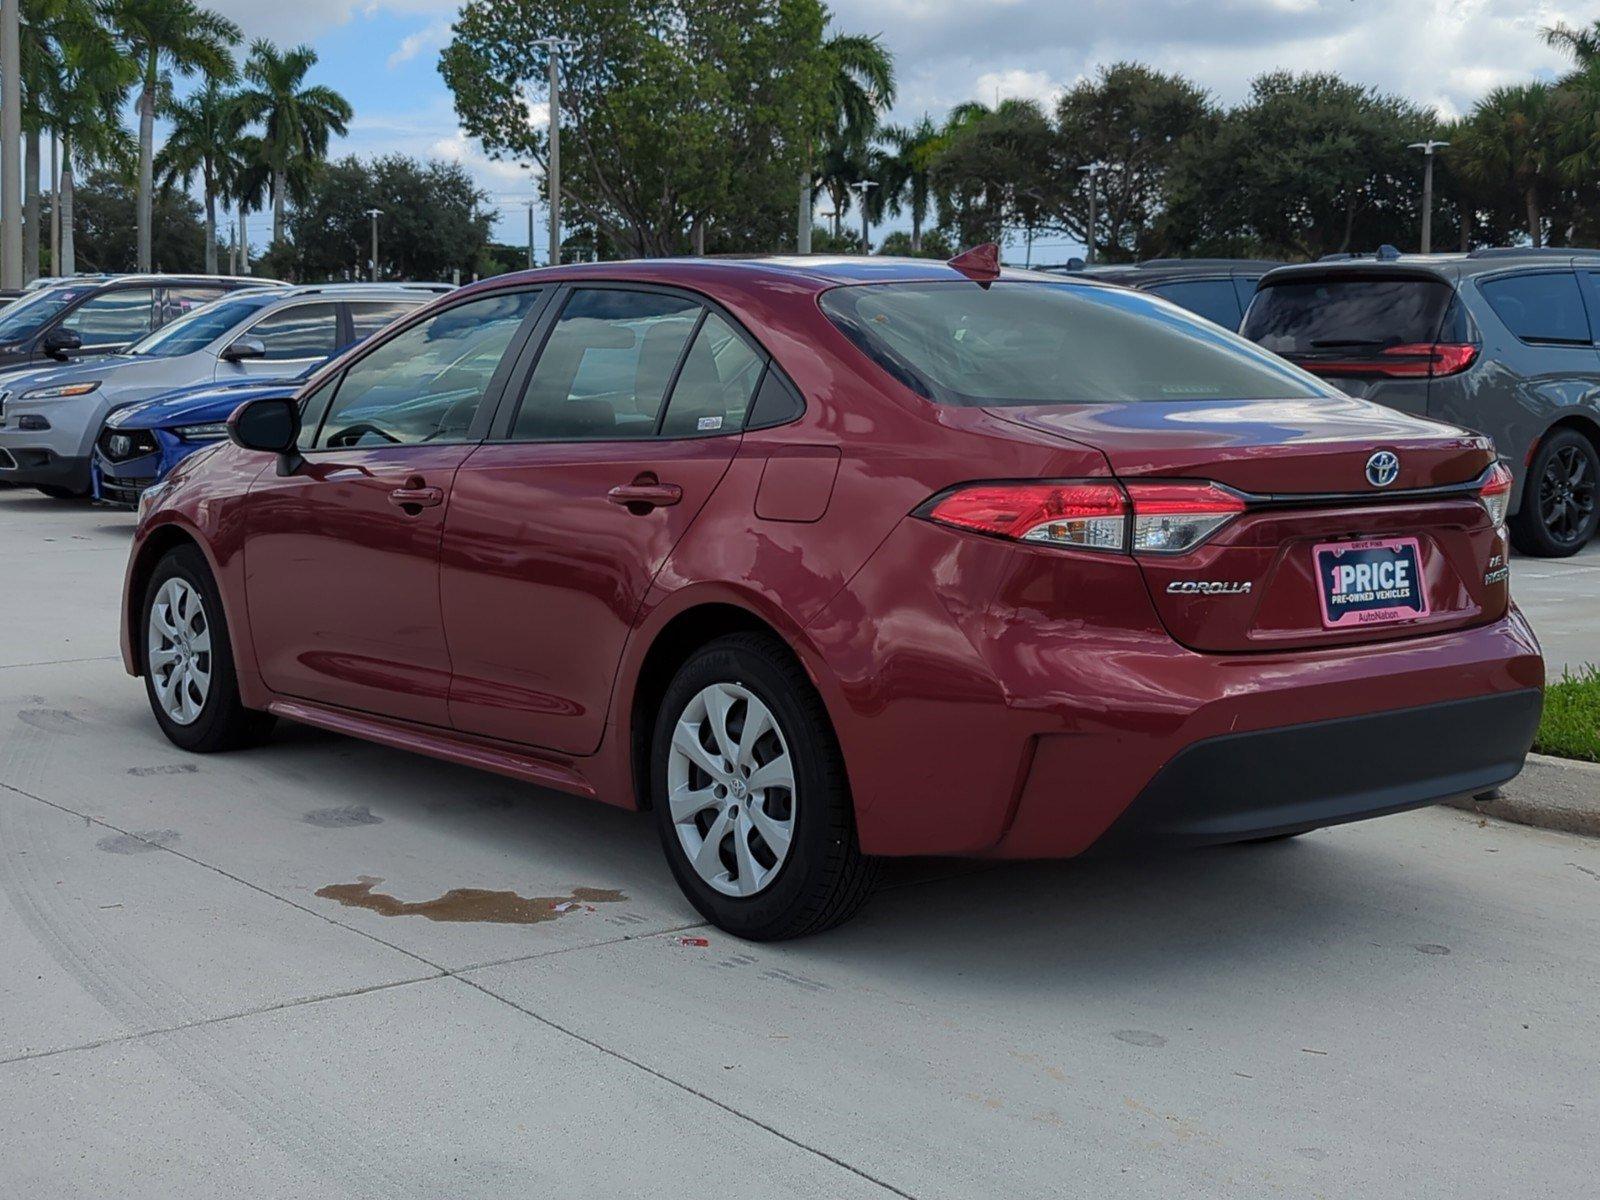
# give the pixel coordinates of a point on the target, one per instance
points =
(1560, 509)
(188, 659)
(750, 794)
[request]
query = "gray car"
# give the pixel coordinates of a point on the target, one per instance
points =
(50, 417)
(1503, 341)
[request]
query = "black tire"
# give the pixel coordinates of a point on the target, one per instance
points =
(223, 723)
(1560, 507)
(825, 878)
(1272, 837)
(60, 493)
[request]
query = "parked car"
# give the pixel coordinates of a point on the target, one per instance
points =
(51, 418)
(85, 316)
(1219, 289)
(1502, 341)
(824, 560)
(141, 443)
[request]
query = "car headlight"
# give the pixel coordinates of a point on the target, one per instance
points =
(210, 431)
(61, 392)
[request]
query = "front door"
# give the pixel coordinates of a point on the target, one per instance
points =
(342, 557)
(556, 531)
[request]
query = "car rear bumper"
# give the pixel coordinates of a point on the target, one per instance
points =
(1282, 781)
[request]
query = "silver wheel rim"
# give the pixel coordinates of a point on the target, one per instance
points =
(178, 651)
(730, 789)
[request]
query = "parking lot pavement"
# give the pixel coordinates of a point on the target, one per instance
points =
(1562, 598)
(1399, 1008)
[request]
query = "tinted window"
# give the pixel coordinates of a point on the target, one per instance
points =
(181, 300)
(1213, 299)
(714, 389)
(1540, 308)
(299, 331)
(776, 402)
(426, 384)
(200, 327)
(1345, 315)
(606, 366)
(113, 318)
(372, 315)
(25, 317)
(1039, 343)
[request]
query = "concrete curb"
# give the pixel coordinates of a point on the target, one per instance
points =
(1551, 793)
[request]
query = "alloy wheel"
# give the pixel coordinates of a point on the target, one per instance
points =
(1567, 495)
(731, 789)
(178, 651)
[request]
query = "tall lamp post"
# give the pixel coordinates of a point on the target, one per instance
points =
(554, 46)
(861, 187)
(1428, 147)
(374, 214)
(10, 144)
(1090, 170)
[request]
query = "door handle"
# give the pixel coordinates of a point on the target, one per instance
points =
(645, 493)
(414, 499)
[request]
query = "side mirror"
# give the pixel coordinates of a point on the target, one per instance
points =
(59, 343)
(244, 348)
(272, 425)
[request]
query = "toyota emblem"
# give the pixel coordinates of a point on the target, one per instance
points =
(1383, 468)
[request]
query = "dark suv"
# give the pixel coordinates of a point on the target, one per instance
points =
(1499, 340)
(101, 314)
(1218, 289)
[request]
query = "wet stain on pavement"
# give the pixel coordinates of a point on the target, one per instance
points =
(469, 904)
(342, 818)
(1139, 1037)
(168, 769)
(145, 842)
(1432, 948)
(51, 720)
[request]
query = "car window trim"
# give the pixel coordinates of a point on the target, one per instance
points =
(478, 431)
(505, 422)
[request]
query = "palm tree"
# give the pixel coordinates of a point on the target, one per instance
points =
(204, 141)
(167, 35)
(80, 101)
(860, 73)
(908, 172)
(1510, 141)
(298, 120)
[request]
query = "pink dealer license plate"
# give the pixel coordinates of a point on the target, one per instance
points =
(1370, 582)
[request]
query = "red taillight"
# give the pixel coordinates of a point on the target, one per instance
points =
(1413, 360)
(1496, 494)
(1166, 518)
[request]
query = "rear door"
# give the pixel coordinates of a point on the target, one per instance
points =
(625, 425)
(342, 557)
(1213, 299)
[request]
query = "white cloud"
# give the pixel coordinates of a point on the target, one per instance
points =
(430, 37)
(994, 86)
(293, 21)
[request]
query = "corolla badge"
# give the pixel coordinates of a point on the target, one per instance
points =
(1383, 468)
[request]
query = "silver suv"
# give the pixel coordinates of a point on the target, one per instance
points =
(1503, 341)
(50, 417)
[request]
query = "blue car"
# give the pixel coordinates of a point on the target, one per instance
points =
(142, 442)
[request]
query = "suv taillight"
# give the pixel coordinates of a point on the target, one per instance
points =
(1496, 494)
(1148, 518)
(1412, 360)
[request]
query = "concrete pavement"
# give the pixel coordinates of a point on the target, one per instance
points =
(1399, 1008)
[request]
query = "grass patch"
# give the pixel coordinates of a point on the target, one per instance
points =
(1570, 727)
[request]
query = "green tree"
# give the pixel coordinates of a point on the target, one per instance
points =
(167, 35)
(908, 174)
(1510, 144)
(932, 244)
(683, 121)
(860, 89)
(204, 142)
(298, 119)
(434, 220)
(995, 172)
(106, 204)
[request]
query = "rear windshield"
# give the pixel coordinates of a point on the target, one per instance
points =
(1017, 343)
(1316, 316)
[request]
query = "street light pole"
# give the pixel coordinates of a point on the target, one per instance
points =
(554, 45)
(374, 214)
(531, 263)
(861, 187)
(10, 144)
(1090, 170)
(1428, 147)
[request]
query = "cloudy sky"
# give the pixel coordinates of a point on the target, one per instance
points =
(382, 54)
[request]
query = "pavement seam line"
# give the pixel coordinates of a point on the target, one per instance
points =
(58, 662)
(282, 1005)
(691, 1090)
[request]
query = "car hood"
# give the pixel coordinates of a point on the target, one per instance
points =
(193, 405)
(1310, 445)
(36, 376)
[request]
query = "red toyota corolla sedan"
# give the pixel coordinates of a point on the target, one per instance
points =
(826, 560)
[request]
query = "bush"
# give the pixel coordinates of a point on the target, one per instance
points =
(1570, 727)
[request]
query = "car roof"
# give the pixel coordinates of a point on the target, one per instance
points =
(366, 291)
(1165, 270)
(1448, 267)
